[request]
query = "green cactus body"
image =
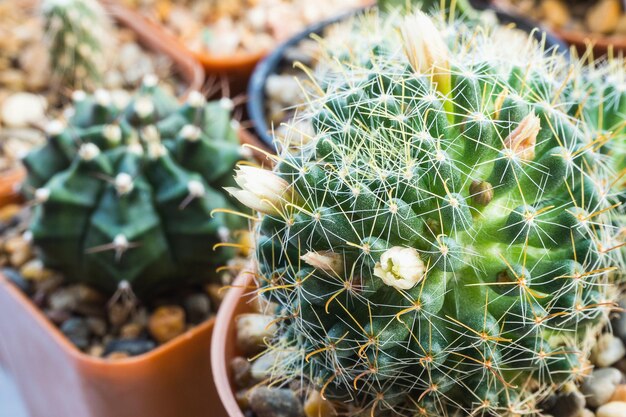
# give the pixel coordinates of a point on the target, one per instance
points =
(439, 245)
(76, 31)
(126, 194)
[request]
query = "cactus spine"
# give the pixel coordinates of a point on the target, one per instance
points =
(76, 31)
(445, 243)
(126, 194)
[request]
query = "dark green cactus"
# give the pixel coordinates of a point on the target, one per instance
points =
(446, 241)
(126, 194)
(76, 31)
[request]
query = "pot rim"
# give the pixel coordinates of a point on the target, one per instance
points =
(223, 322)
(80, 356)
(271, 63)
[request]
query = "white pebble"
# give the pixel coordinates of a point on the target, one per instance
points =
(608, 351)
(613, 409)
(23, 109)
(253, 330)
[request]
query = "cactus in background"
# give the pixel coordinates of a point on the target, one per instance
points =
(126, 194)
(446, 240)
(77, 32)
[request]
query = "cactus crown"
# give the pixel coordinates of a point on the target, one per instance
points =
(445, 240)
(125, 193)
(76, 31)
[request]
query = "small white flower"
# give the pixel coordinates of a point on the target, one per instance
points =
(327, 261)
(261, 190)
(196, 188)
(400, 267)
(42, 195)
(150, 80)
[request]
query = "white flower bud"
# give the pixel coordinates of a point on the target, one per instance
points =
(196, 189)
(423, 44)
(261, 190)
(523, 139)
(150, 80)
(326, 261)
(102, 97)
(400, 267)
(78, 96)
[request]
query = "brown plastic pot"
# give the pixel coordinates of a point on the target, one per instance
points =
(58, 380)
(224, 349)
(600, 44)
(10, 181)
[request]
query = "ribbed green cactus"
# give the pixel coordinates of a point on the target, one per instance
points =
(126, 194)
(76, 31)
(445, 242)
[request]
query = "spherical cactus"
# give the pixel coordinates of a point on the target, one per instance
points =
(445, 242)
(127, 194)
(76, 31)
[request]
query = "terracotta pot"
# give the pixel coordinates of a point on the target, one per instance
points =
(224, 348)
(151, 36)
(10, 181)
(57, 380)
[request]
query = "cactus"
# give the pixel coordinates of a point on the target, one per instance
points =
(125, 195)
(445, 243)
(77, 32)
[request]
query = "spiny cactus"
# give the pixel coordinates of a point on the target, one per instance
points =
(445, 243)
(126, 194)
(76, 31)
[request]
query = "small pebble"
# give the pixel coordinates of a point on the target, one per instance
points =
(96, 350)
(608, 350)
(34, 270)
(241, 371)
(613, 409)
(619, 394)
(600, 386)
(77, 330)
(316, 406)
(252, 331)
(263, 366)
(166, 323)
(97, 326)
(9, 211)
(275, 402)
(58, 317)
(131, 331)
(586, 413)
(117, 356)
(23, 109)
(13, 276)
(568, 404)
(215, 293)
(132, 347)
(603, 17)
(198, 308)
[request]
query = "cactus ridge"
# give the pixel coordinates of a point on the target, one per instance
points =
(447, 239)
(125, 193)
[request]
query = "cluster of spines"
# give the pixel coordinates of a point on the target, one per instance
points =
(76, 32)
(466, 178)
